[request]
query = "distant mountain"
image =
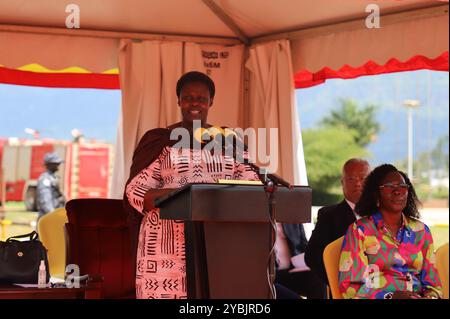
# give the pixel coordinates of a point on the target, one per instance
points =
(388, 91)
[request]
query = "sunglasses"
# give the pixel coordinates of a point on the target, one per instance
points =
(389, 187)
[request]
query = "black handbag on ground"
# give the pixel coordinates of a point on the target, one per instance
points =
(20, 260)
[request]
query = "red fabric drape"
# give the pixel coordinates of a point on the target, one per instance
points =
(61, 80)
(304, 79)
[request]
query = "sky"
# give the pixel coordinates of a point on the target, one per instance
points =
(55, 112)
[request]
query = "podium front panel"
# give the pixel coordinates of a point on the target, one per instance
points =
(236, 203)
(228, 235)
(236, 260)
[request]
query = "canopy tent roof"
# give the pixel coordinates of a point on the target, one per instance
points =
(254, 18)
(329, 39)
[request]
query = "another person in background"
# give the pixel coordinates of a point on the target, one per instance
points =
(291, 270)
(333, 221)
(48, 195)
(388, 253)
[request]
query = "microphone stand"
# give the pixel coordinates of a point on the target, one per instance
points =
(271, 183)
(234, 142)
(277, 180)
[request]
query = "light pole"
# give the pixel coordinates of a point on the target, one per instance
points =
(410, 104)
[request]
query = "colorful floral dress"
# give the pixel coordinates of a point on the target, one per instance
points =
(374, 264)
(161, 262)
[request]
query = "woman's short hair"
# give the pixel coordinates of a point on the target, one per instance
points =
(367, 204)
(195, 76)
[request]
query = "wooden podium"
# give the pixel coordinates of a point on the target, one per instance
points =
(228, 235)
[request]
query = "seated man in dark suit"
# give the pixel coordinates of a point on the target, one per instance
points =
(333, 221)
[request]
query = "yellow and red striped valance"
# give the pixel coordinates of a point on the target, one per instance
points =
(71, 77)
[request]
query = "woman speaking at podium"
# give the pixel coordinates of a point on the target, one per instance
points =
(159, 164)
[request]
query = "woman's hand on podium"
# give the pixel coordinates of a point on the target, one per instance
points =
(149, 203)
(152, 195)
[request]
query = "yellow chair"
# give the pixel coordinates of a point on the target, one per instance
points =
(442, 267)
(51, 233)
(331, 256)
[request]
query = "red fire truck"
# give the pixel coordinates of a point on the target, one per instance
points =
(85, 173)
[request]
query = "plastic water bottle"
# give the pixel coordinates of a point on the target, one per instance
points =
(42, 275)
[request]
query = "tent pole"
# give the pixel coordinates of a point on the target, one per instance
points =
(227, 20)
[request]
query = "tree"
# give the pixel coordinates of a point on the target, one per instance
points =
(326, 150)
(429, 166)
(362, 121)
(439, 155)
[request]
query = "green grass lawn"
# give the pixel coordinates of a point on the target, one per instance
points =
(15, 212)
(15, 205)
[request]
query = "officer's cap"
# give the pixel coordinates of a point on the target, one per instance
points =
(52, 158)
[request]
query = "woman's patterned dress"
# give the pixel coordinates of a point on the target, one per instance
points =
(161, 263)
(374, 263)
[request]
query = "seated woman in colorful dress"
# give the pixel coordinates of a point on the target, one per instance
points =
(159, 164)
(388, 253)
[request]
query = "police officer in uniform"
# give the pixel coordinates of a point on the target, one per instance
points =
(48, 194)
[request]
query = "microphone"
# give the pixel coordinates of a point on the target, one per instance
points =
(233, 145)
(202, 135)
(218, 139)
(223, 136)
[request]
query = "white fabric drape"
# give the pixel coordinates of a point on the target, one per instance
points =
(118, 176)
(272, 105)
(225, 65)
(148, 74)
